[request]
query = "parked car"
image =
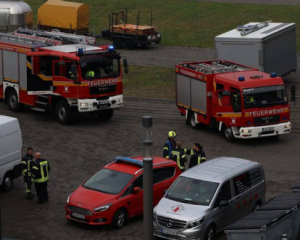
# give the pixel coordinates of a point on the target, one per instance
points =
(10, 152)
(208, 197)
(115, 193)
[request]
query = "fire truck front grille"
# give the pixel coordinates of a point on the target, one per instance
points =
(171, 223)
(103, 89)
(78, 210)
(267, 119)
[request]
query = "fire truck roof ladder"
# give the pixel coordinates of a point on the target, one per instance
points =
(213, 67)
(247, 29)
(55, 34)
(23, 39)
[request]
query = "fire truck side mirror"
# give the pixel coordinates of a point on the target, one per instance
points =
(125, 64)
(293, 93)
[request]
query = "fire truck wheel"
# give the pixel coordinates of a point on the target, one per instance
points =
(193, 123)
(63, 112)
(118, 43)
(229, 134)
(13, 103)
(128, 44)
(105, 114)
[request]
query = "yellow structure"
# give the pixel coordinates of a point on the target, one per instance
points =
(64, 16)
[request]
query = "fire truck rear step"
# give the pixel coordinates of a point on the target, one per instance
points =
(42, 103)
(39, 109)
(43, 96)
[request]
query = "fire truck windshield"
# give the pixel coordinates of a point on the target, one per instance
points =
(264, 96)
(100, 67)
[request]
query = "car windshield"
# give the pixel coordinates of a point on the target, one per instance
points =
(264, 96)
(108, 181)
(102, 67)
(192, 191)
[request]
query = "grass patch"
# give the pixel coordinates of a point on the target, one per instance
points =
(150, 82)
(187, 22)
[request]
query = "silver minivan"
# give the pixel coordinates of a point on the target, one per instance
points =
(208, 197)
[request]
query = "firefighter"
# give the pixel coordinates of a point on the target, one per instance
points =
(169, 145)
(178, 156)
(27, 163)
(197, 155)
(40, 173)
(90, 74)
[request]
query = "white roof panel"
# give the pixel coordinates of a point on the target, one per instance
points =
(71, 48)
(258, 35)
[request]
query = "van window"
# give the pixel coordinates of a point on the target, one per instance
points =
(161, 174)
(224, 194)
(255, 176)
(242, 183)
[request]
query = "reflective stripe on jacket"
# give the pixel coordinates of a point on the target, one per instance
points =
(179, 157)
(27, 162)
(40, 171)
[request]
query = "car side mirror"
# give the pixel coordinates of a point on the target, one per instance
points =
(223, 203)
(136, 189)
(61, 63)
(125, 64)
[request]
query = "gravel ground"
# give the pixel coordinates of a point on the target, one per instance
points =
(76, 151)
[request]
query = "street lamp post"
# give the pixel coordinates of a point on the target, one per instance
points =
(148, 178)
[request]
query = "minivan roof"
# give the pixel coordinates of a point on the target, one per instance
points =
(6, 119)
(218, 169)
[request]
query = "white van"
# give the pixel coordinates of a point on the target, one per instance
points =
(208, 197)
(10, 151)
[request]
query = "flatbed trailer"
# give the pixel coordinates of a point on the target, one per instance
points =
(129, 35)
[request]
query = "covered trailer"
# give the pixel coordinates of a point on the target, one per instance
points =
(14, 14)
(269, 47)
(64, 16)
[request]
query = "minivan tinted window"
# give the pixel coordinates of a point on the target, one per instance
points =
(193, 191)
(242, 183)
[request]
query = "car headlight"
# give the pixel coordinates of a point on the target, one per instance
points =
(102, 208)
(84, 104)
(246, 131)
(196, 223)
(287, 126)
(68, 199)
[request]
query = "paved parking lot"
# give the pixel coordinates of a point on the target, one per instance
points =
(76, 151)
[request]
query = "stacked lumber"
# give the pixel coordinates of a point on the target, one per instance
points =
(133, 29)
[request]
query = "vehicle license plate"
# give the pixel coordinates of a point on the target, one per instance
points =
(268, 129)
(101, 102)
(168, 232)
(103, 106)
(78, 215)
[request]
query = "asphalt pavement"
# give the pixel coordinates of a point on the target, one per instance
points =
(77, 151)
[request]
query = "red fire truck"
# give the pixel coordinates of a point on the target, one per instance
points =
(240, 100)
(65, 79)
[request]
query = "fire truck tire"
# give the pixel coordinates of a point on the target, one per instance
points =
(118, 43)
(229, 134)
(128, 44)
(105, 114)
(12, 101)
(63, 112)
(193, 123)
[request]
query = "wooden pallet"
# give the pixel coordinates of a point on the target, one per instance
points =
(133, 29)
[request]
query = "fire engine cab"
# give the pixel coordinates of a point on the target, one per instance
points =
(65, 78)
(240, 100)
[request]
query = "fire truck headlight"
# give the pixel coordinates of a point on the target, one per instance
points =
(149, 37)
(120, 100)
(246, 131)
(287, 126)
(84, 104)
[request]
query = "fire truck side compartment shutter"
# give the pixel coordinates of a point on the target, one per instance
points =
(1, 72)
(23, 70)
(183, 90)
(198, 95)
(11, 68)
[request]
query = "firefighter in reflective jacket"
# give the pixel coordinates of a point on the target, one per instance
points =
(27, 163)
(178, 156)
(197, 155)
(90, 74)
(40, 173)
(169, 145)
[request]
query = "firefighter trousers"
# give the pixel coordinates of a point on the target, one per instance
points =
(28, 184)
(41, 191)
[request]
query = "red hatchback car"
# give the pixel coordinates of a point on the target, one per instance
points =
(115, 193)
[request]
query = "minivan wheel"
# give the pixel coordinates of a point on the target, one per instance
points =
(210, 233)
(8, 182)
(229, 134)
(119, 219)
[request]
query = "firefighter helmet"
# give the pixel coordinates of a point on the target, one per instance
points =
(172, 134)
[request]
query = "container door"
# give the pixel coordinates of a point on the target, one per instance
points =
(4, 14)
